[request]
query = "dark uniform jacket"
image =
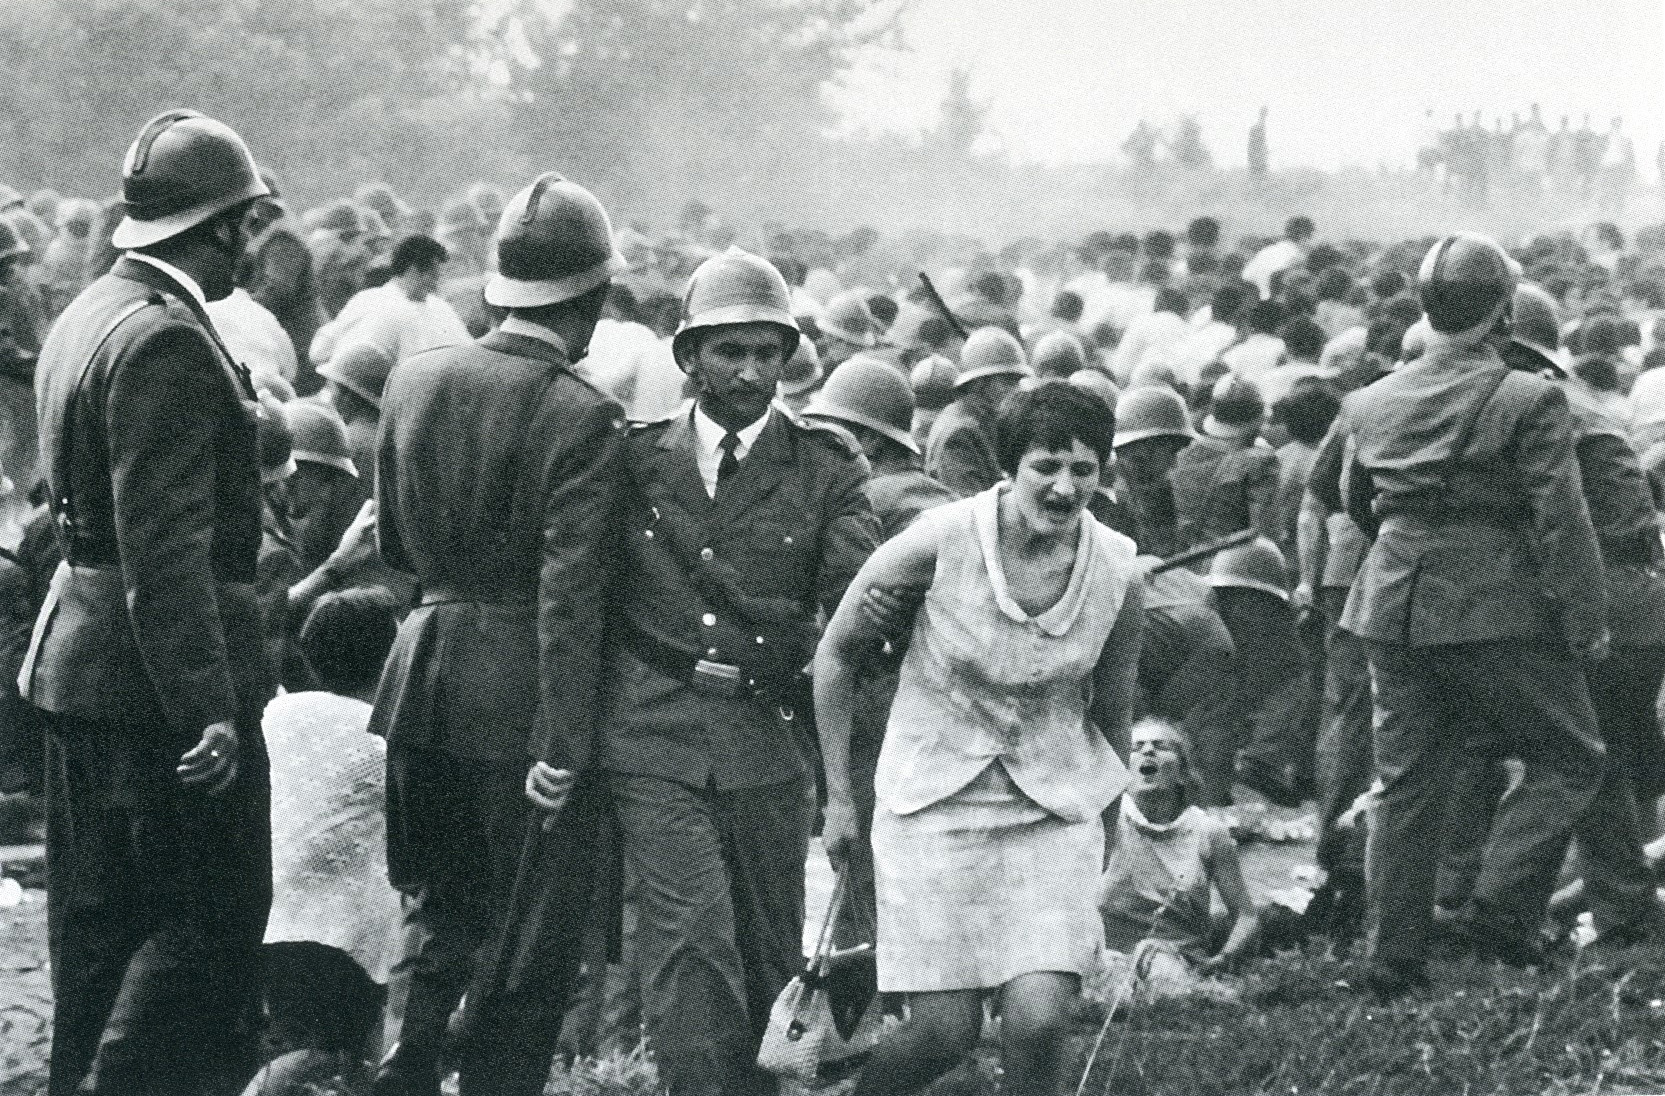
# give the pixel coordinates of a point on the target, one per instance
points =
(959, 454)
(1220, 488)
(1626, 523)
(736, 580)
(1490, 542)
(148, 432)
(497, 485)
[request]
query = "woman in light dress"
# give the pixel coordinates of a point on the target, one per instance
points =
(998, 759)
(1167, 857)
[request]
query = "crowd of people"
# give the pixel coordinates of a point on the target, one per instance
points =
(1526, 161)
(485, 610)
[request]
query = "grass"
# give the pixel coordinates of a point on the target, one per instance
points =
(1583, 1026)
(1580, 1027)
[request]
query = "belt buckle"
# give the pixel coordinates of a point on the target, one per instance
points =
(718, 678)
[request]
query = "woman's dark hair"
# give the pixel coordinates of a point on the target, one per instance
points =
(1266, 317)
(1171, 300)
(1333, 284)
(1303, 339)
(416, 251)
(1598, 372)
(1307, 411)
(347, 635)
(317, 997)
(1051, 416)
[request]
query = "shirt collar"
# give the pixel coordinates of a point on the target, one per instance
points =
(710, 435)
(186, 282)
(514, 325)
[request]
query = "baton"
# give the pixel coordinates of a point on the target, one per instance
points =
(942, 306)
(1204, 550)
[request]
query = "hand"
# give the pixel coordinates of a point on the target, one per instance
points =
(549, 788)
(358, 543)
(1217, 964)
(838, 829)
(1302, 598)
(891, 609)
(212, 762)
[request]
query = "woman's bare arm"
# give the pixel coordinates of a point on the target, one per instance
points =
(907, 560)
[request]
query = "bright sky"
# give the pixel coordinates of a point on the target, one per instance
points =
(1347, 81)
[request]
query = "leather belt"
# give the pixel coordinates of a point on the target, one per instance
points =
(704, 675)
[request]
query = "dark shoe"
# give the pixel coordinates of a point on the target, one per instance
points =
(1388, 982)
(1260, 778)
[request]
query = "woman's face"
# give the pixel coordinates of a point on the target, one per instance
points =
(1052, 486)
(1158, 759)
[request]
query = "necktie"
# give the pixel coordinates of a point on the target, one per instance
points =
(730, 463)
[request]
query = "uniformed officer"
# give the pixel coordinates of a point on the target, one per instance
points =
(1480, 597)
(1151, 431)
(960, 450)
(1609, 835)
(1224, 481)
(148, 653)
(497, 483)
(740, 523)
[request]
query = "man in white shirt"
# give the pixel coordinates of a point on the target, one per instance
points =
(1275, 258)
(402, 318)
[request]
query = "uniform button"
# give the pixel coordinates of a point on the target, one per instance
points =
(711, 653)
(709, 620)
(760, 639)
(707, 554)
(648, 533)
(787, 540)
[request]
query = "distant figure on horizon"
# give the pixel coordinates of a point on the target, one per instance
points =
(1257, 148)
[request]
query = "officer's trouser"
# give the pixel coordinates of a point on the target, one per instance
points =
(157, 902)
(1610, 834)
(1344, 754)
(1425, 698)
(458, 830)
(718, 884)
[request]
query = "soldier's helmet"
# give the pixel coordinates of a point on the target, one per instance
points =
(1467, 283)
(735, 287)
(1059, 354)
(554, 243)
(361, 368)
(320, 436)
(848, 319)
(183, 169)
(871, 393)
(1150, 413)
(1537, 319)
(803, 370)
(1257, 565)
(991, 352)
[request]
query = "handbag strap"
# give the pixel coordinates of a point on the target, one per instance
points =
(817, 965)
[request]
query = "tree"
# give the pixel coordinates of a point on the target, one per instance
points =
(299, 80)
(962, 117)
(654, 102)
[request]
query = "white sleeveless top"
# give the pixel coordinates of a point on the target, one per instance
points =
(983, 680)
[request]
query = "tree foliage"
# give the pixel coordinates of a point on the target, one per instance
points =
(318, 87)
(658, 101)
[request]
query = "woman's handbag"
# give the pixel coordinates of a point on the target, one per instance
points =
(802, 1043)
